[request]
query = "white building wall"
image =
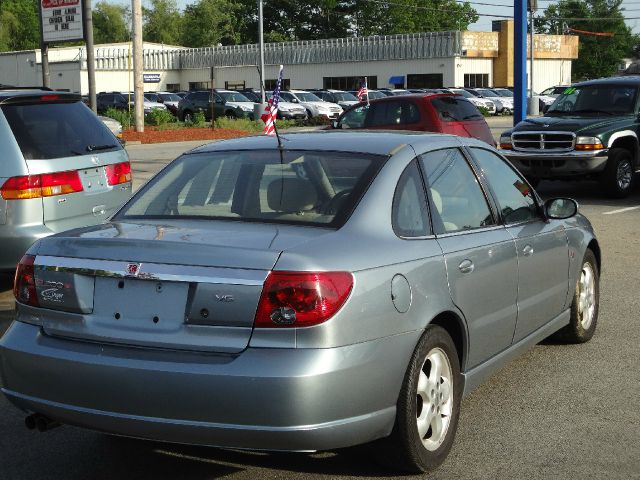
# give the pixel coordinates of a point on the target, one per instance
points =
(20, 69)
(549, 73)
(311, 75)
(465, 65)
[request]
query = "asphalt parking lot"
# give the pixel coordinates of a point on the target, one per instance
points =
(557, 412)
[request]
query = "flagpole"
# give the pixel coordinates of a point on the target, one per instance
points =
(367, 89)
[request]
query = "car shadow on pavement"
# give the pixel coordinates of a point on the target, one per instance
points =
(192, 461)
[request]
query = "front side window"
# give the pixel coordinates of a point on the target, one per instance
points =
(409, 215)
(515, 198)
(304, 187)
(457, 200)
(354, 118)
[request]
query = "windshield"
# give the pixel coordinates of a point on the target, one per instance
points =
(488, 93)
(503, 92)
(345, 97)
(288, 97)
(307, 97)
(169, 97)
(595, 99)
(56, 130)
(233, 97)
(304, 187)
(462, 92)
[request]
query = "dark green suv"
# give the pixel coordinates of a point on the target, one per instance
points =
(590, 131)
(228, 103)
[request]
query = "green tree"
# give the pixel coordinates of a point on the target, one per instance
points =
(162, 22)
(110, 23)
(19, 25)
(209, 22)
(598, 56)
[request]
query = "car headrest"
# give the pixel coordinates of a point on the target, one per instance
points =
(291, 195)
(437, 199)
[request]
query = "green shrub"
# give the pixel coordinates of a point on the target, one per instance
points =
(484, 111)
(125, 117)
(159, 116)
(243, 124)
(198, 120)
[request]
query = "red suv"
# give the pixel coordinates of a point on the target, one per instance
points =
(440, 112)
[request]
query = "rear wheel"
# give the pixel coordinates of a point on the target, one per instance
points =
(428, 407)
(617, 178)
(585, 305)
(187, 116)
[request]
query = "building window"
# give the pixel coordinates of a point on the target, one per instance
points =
(173, 87)
(475, 80)
(270, 84)
(199, 86)
(425, 80)
(235, 85)
(349, 83)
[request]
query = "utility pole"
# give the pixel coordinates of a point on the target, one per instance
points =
(44, 52)
(138, 88)
(91, 61)
(261, 40)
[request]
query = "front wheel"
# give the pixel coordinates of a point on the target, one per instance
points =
(585, 305)
(617, 178)
(428, 406)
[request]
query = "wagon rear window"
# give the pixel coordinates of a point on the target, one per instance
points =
(455, 109)
(304, 187)
(56, 130)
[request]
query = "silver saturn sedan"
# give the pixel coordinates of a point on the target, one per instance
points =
(343, 289)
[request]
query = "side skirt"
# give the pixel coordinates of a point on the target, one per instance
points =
(477, 375)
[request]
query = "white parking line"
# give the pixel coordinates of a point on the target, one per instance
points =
(621, 210)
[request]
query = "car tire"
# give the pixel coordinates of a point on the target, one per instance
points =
(413, 445)
(309, 113)
(618, 177)
(187, 116)
(585, 304)
(230, 114)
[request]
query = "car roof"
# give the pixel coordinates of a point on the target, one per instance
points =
(6, 95)
(630, 80)
(378, 142)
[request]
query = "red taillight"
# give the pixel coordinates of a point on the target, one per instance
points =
(301, 299)
(45, 185)
(49, 98)
(24, 285)
(118, 173)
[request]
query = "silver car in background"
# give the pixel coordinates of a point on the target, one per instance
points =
(60, 168)
(348, 288)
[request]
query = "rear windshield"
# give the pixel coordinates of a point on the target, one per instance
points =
(55, 130)
(305, 187)
(455, 109)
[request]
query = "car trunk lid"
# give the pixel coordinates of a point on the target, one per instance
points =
(175, 286)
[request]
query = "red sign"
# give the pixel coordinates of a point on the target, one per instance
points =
(59, 3)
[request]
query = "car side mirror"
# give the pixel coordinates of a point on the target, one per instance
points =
(560, 208)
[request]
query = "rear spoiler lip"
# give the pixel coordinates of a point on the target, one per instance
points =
(35, 98)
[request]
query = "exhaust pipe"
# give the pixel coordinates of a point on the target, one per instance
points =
(41, 422)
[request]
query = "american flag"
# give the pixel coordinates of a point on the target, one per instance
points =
(271, 110)
(363, 92)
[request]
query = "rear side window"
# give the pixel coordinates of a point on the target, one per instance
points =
(55, 130)
(306, 187)
(455, 109)
(392, 113)
(409, 214)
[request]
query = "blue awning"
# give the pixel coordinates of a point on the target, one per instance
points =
(397, 80)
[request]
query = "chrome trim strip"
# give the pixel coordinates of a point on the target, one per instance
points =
(555, 155)
(152, 271)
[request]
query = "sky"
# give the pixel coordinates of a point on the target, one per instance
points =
(632, 8)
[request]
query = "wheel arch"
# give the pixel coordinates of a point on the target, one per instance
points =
(455, 326)
(594, 246)
(628, 140)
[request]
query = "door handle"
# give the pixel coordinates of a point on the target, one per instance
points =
(466, 266)
(527, 251)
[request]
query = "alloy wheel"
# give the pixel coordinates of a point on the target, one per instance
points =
(624, 174)
(586, 296)
(434, 399)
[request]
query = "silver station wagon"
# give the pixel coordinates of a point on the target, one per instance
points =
(345, 289)
(60, 168)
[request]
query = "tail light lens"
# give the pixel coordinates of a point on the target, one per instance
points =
(301, 299)
(118, 173)
(24, 285)
(45, 185)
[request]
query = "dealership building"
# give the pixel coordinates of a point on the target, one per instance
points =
(421, 60)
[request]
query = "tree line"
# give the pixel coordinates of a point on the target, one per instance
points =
(229, 22)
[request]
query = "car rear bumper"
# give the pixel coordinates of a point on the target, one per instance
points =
(554, 165)
(276, 399)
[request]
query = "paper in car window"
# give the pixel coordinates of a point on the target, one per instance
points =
(569, 91)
